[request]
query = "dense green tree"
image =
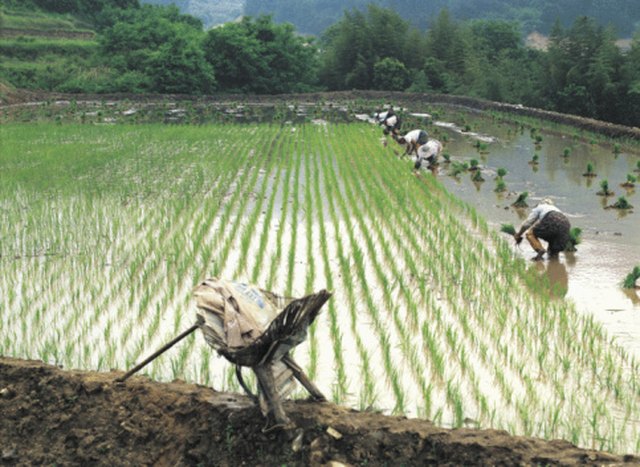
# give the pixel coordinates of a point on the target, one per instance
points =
(354, 45)
(630, 85)
(583, 70)
(259, 56)
(390, 74)
(154, 50)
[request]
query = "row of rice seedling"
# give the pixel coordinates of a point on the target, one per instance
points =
(432, 314)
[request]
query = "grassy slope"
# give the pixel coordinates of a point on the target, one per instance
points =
(43, 50)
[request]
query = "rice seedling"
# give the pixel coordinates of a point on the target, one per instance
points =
(457, 168)
(630, 182)
(574, 239)
(538, 140)
(521, 201)
(411, 303)
(501, 172)
(604, 189)
(590, 171)
(508, 229)
(566, 152)
(637, 169)
(631, 280)
(535, 159)
(501, 186)
(621, 203)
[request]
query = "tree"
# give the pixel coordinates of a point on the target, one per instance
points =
(155, 49)
(258, 56)
(355, 44)
(390, 74)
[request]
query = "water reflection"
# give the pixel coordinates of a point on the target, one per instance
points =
(555, 273)
(610, 245)
(634, 295)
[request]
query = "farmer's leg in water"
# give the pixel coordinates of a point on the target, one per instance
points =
(535, 244)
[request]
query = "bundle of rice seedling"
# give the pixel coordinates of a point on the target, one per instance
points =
(521, 202)
(508, 229)
(574, 239)
(632, 278)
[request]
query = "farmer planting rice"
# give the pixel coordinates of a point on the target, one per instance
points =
(548, 223)
(389, 121)
(412, 141)
(428, 152)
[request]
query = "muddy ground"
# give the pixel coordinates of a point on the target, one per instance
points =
(53, 416)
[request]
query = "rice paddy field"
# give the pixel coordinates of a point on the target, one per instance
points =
(106, 229)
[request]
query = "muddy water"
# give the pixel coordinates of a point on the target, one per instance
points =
(610, 245)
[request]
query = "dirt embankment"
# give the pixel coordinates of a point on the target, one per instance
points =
(51, 416)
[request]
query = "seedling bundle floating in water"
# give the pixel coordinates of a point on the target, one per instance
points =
(574, 239)
(604, 185)
(521, 202)
(632, 278)
(508, 229)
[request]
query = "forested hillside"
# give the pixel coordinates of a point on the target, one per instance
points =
(313, 16)
(122, 46)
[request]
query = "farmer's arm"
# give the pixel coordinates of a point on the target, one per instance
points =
(529, 221)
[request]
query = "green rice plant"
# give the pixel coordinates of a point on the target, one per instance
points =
(632, 278)
(637, 169)
(477, 176)
(630, 182)
(535, 159)
(521, 201)
(447, 158)
(473, 164)
(501, 186)
(457, 168)
(604, 191)
(617, 148)
(574, 239)
(508, 229)
(501, 172)
(566, 152)
(590, 171)
(622, 203)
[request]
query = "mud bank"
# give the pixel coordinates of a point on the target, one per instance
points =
(79, 418)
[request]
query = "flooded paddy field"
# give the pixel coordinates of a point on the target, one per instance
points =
(610, 245)
(107, 227)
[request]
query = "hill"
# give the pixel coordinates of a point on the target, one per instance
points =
(314, 16)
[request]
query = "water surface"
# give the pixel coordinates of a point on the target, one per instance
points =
(610, 245)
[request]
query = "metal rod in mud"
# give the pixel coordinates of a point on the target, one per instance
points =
(156, 354)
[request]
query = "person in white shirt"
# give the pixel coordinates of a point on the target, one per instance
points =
(412, 141)
(389, 121)
(547, 222)
(428, 152)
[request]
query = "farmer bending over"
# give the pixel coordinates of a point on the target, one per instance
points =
(548, 223)
(428, 152)
(412, 140)
(389, 121)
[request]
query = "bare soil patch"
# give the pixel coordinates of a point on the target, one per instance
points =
(50, 415)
